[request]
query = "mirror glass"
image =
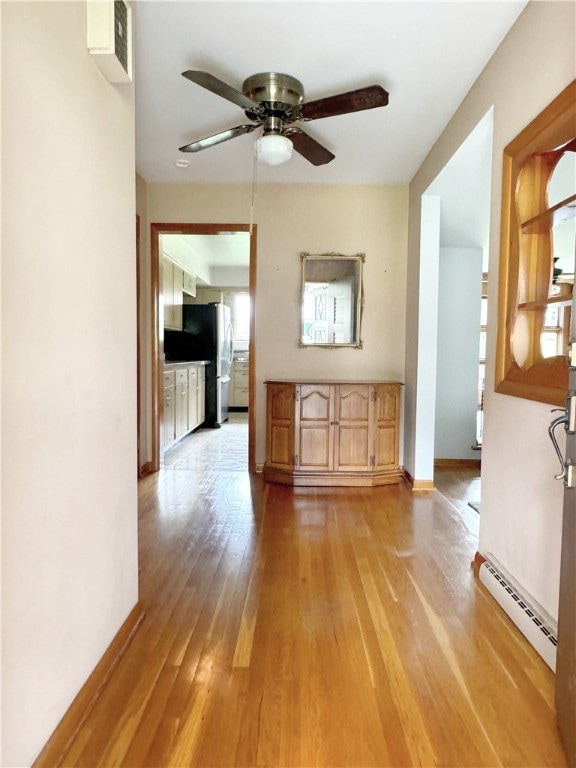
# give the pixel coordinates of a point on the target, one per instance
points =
(331, 300)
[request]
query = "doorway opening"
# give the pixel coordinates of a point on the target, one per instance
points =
(158, 322)
(451, 333)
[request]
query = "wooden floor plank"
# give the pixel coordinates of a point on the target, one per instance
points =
(313, 627)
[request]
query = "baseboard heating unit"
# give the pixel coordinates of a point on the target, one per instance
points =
(537, 629)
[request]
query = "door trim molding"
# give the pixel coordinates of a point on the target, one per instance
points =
(157, 346)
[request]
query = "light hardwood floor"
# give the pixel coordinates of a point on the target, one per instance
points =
(459, 483)
(313, 627)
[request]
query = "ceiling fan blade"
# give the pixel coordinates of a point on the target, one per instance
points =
(308, 147)
(218, 138)
(353, 101)
(220, 88)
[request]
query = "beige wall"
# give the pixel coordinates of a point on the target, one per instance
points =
(317, 219)
(520, 523)
(69, 367)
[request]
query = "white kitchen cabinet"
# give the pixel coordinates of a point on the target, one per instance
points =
(240, 384)
(189, 283)
(172, 282)
(175, 283)
(184, 401)
(193, 397)
(181, 404)
(167, 431)
(201, 393)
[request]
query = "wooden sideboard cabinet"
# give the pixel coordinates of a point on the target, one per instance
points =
(332, 433)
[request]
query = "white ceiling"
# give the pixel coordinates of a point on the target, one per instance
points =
(220, 259)
(426, 54)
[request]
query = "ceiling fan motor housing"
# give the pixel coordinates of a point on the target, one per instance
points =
(279, 94)
(273, 101)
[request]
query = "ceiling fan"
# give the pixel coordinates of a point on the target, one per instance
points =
(275, 102)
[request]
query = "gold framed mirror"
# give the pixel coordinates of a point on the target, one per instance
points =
(331, 300)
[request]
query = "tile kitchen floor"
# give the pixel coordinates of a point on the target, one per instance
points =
(213, 450)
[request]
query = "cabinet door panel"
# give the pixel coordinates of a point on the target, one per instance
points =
(387, 420)
(353, 449)
(314, 427)
(280, 429)
(192, 398)
(168, 292)
(281, 445)
(178, 296)
(353, 403)
(241, 396)
(201, 395)
(315, 451)
(181, 407)
(353, 409)
(386, 448)
(168, 418)
(315, 402)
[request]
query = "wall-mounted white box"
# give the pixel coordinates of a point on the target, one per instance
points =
(109, 38)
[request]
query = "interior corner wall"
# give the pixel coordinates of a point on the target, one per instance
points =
(459, 305)
(423, 467)
(69, 505)
(520, 523)
(316, 218)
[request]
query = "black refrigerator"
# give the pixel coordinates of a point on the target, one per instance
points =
(206, 335)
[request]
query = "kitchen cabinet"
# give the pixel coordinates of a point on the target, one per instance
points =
(177, 286)
(332, 433)
(172, 281)
(168, 419)
(184, 401)
(201, 382)
(240, 388)
(189, 283)
(181, 404)
(175, 283)
(196, 396)
(192, 392)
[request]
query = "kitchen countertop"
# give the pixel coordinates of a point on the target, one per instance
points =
(184, 363)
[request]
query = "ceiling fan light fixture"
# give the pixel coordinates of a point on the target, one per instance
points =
(274, 149)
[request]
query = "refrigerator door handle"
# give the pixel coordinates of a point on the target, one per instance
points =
(230, 334)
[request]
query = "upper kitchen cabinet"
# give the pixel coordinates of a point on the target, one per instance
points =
(175, 283)
(536, 286)
(189, 283)
(172, 294)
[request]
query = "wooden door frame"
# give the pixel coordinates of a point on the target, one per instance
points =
(138, 353)
(157, 351)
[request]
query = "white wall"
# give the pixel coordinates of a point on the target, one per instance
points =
(459, 300)
(520, 522)
(317, 219)
(69, 367)
(423, 413)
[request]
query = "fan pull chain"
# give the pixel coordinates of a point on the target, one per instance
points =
(254, 190)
